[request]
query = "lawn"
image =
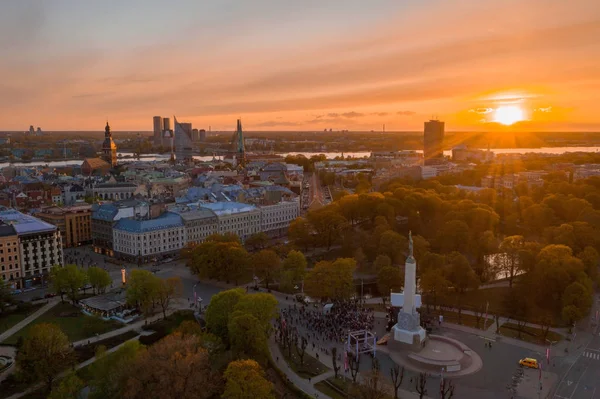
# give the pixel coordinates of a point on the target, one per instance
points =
(72, 322)
(9, 319)
(529, 334)
(477, 299)
(310, 368)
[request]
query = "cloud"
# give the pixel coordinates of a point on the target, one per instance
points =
(276, 123)
(405, 113)
(333, 115)
(545, 110)
(481, 111)
(352, 114)
(379, 113)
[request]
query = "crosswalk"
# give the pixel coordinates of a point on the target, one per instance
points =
(592, 355)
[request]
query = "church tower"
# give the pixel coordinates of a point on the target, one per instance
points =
(109, 148)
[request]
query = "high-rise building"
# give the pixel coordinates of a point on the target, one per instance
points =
(158, 129)
(201, 135)
(194, 134)
(433, 151)
(183, 140)
(166, 124)
(109, 148)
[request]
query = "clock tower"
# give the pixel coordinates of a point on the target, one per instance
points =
(109, 148)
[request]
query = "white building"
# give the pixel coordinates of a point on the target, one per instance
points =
(40, 245)
(112, 191)
(142, 240)
(199, 224)
(275, 219)
(427, 172)
(237, 218)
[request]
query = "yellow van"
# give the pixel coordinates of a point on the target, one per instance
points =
(529, 362)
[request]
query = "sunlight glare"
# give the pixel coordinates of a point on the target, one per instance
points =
(508, 114)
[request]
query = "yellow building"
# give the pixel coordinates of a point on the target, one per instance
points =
(74, 223)
(10, 266)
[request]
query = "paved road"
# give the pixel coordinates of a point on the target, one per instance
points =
(582, 380)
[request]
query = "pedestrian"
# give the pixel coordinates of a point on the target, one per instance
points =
(277, 359)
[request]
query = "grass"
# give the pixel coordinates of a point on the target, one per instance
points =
(172, 321)
(529, 334)
(477, 299)
(11, 318)
(310, 368)
(88, 351)
(71, 321)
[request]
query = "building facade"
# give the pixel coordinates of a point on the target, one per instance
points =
(147, 240)
(433, 150)
(104, 218)
(157, 124)
(236, 218)
(112, 191)
(183, 141)
(275, 219)
(73, 222)
(40, 246)
(199, 224)
(10, 266)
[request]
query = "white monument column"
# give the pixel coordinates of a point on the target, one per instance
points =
(410, 275)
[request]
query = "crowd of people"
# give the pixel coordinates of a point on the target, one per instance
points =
(328, 325)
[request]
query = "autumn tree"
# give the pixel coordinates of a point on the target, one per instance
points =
(245, 379)
(5, 295)
(388, 279)
(166, 290)
(381, 262)
(175, 367)
(219, 257)
(99, 279)
(577, 301)
(267, 265)
(300, 233)
(393, 245)
(328, 224)
(262, 306)
(435, 285)
(510, 249)
(294, 266)
(44, 354)
(257, 240)
(219, 309)
(69, 388)
(462, 277)
(332, 280)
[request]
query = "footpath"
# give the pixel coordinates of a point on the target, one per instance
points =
(17, 327)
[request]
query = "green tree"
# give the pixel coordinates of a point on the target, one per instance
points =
(142, 288)
(219, 309)
(461, 275)
(44, 354)
(58, 277)
(453, 236)
(69, 388)
(99, 279)
(247, 336)
(295, 264)
(389, 278)
(245, 379)
(267, 265)
(262, 306)
(591, 259)
(257, 240)
(510, 263)
(75, 278)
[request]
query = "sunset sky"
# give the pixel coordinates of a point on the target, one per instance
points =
(300, 65)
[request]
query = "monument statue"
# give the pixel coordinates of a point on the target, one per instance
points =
(408, 330)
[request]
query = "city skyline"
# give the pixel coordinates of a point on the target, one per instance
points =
(525, 66)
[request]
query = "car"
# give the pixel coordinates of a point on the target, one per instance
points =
(50, 295)
(529, 362)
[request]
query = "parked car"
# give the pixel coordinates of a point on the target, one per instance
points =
(529, 362)
(50, 295)
(15, 292)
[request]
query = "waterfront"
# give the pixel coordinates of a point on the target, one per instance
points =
(126, 157)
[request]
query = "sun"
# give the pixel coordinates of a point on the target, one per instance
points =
(508, 114)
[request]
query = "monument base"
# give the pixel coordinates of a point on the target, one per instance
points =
(413, 340)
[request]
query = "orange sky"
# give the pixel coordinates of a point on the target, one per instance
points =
(282, 65)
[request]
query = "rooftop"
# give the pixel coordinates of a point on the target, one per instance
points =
(24, 224)
(7, 230)
(165, 221)
(229, 208)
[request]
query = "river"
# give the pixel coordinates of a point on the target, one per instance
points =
(330, 155)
